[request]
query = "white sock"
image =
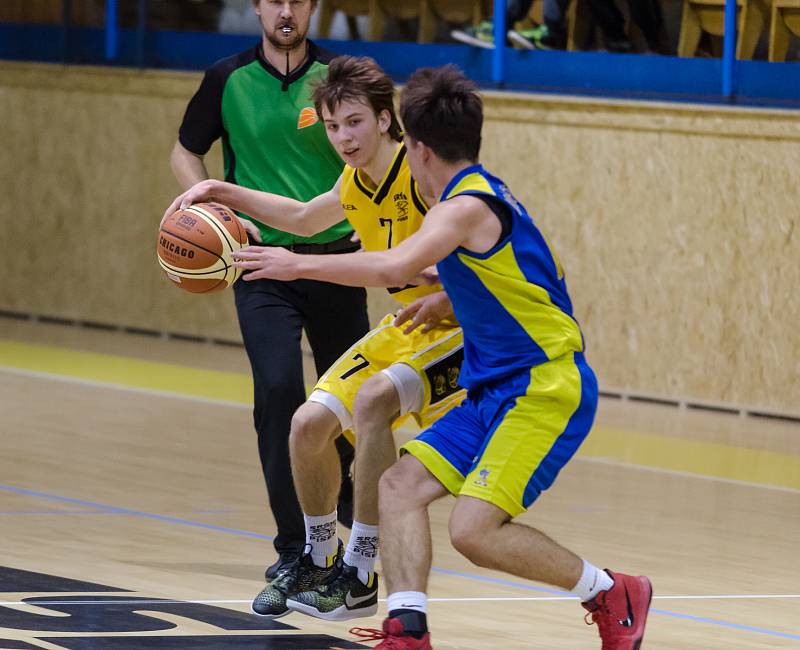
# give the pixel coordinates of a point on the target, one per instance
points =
(321, 536)
(592, 582)
(362, 549)
(416, 600)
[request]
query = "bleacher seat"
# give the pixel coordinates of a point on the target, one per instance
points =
(785, 22)
(709, 16)
(379, 11)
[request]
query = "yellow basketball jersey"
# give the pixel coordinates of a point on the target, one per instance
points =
(387, 215)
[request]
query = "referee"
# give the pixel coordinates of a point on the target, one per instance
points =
(259, 103)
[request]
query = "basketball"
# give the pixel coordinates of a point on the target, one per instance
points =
(196, 245)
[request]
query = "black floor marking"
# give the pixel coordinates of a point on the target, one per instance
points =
(20, 581)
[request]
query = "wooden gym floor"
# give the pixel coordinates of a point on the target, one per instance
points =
(133, 514)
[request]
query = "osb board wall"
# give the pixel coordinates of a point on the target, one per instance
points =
(90, 178)
(678, 231)
(676, 225)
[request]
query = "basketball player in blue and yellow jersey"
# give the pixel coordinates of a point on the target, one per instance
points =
(531, 393)
(388, 374)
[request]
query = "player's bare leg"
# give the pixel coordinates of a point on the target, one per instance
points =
(377, 405)
(406, 491)
(485, 534)
(316, 468)
(618, 603)
(316, 471)
(354, 593)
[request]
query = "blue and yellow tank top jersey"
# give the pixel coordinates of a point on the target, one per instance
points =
(387, 215)
(519, 282)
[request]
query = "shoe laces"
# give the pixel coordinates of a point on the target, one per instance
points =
(290, 572)
(371, 634)
(336, 580)
(598, 611)
(287, 576)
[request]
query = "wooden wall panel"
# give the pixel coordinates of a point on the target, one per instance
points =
(678, 230)
(677, 225)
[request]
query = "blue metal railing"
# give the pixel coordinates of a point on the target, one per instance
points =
(728, 59)
(499, 54)
(729, 51)
(587, 73)
(112, 31)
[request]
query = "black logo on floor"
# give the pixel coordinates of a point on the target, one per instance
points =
(96, 616)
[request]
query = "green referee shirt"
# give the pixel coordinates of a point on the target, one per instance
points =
(271, 136)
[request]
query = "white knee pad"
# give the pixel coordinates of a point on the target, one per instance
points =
(408, 385)
(335, 405)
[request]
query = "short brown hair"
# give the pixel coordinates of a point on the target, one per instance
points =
(441, 107)
(358, 78)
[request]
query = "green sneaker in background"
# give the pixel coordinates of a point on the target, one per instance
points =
(539, 38)
(480, 36)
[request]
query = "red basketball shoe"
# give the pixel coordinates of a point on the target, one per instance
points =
(393, 637)
(621, 612)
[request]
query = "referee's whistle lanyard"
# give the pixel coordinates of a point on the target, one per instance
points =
(285, 84)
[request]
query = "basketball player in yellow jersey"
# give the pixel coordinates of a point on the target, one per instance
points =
(392, 372)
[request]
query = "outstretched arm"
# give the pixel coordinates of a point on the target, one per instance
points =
(446, 227)
(297, 217)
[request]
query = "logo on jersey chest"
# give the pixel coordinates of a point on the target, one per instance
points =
(308, 117)
(401, 206)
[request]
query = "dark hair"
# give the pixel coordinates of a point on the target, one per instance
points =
(358, 78)
(441, 107)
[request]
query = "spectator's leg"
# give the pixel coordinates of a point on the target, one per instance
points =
(612, 23)
(516, 10)
(647, 14)
(555, 19)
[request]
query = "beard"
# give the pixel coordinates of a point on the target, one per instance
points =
(281, 42)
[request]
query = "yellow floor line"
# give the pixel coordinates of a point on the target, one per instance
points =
(694, 456)
(632, 447)
(125, 371)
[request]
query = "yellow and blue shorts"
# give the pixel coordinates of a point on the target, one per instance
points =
(507, 442)
(434, 356)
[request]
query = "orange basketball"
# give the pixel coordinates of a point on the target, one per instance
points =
(196, 245)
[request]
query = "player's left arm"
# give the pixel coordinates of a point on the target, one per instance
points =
(446, 227)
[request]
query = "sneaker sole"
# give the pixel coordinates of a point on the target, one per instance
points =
(638, 643)
(338, 614)
(463, 37)
(270, 616)
(519, 40)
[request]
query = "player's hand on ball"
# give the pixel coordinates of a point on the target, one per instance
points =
(427, 312)
(195, 194)
(273, 262)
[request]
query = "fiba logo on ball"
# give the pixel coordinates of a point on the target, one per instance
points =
(195, 247)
